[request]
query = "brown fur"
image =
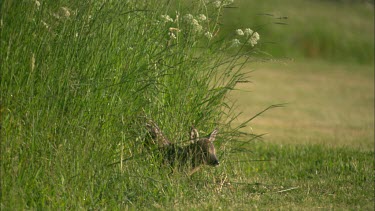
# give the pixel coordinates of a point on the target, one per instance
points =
(201, 151)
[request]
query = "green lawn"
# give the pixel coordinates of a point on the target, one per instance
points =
(296, 177)
(327, 104)
(319, 146)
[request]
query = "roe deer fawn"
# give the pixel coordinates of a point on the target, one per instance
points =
(201, 151)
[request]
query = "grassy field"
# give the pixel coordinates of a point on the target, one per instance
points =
(327, 104)
(327, 124)
(79, 80)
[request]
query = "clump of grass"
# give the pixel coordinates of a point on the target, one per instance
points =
(77, 78)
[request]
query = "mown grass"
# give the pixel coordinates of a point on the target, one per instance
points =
(329, 104)
(338, 31)
(317, 141)
(312, 176)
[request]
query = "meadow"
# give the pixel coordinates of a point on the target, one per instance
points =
(80, 79)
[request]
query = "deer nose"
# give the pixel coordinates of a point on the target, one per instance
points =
(215, 163)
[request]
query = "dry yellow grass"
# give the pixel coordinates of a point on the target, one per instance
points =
(327, 103)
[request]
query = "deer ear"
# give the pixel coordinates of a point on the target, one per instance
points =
(213, 135)
(157, 134)
(194, 135)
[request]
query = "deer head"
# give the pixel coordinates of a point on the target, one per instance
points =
(202, 149)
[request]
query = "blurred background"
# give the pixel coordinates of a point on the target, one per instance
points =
(320, 62)
(331, 30)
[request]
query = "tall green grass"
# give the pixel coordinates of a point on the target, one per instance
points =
(78, 80)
